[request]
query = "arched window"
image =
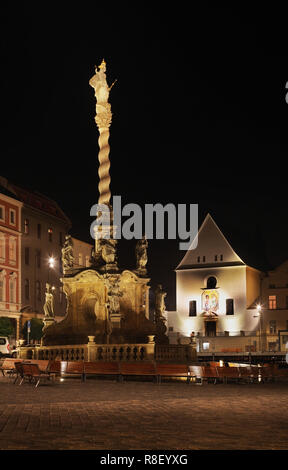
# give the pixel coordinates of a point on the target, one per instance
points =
(211, 282)
(2, 246)
(2, 285)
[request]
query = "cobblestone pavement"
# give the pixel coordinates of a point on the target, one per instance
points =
(104, 414)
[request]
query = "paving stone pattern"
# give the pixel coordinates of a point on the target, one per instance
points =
(104, 414)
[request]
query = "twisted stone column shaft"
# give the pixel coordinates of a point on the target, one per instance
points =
(104, 166)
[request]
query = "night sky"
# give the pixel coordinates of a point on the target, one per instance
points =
(199, 116)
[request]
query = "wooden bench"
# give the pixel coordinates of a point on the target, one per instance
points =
(141, 369)
(196, 372)
(172, 370)
(73, 368)
(101, 369)
(228, 373)
(210, 372)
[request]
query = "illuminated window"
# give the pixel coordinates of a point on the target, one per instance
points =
(192, 308)
(50, 234)
(206, 346)
(272, 302)
(272, 326)
(87, 260)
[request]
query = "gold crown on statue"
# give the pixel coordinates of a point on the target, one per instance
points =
(103, 64)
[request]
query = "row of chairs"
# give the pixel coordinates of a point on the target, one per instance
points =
(35, 370)
(247, 374)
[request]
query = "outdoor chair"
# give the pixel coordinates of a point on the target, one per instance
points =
(33, 374)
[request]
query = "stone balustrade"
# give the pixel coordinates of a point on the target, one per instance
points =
(175, 352)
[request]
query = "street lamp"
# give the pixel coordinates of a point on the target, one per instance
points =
(51, 265)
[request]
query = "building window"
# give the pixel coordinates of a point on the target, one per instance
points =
(211, 282)
(26, 226)
(2, 213)
(12, 217)
(12, 249)
(80, 259)
(2, 286)
(26, 255)
(12, 288)
(272, 327)
(38, 259)
(272, 286)
(229, 306)
(38, 290)
(216, 257)
(192, 308)
(50, 234)
(221, 257)
(87, 261)
(38, 231)
(2, 247)
(27, 289)
(204, 259)
(198, 259)
(272, 302)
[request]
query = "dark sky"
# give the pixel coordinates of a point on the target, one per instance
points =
(199, 116)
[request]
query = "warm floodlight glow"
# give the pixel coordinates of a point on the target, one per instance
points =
(51, 262)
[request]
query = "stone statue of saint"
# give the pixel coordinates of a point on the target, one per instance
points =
(99, 83)
(114, 294)
(67, 253)
(141, 254)
(108, 250)
(49, 302)
(159, 301)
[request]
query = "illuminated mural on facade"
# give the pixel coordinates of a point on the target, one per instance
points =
(210, 301)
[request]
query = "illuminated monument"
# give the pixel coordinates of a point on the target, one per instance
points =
(103, 301)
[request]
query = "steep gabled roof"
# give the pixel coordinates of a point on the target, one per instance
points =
(211, 242)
